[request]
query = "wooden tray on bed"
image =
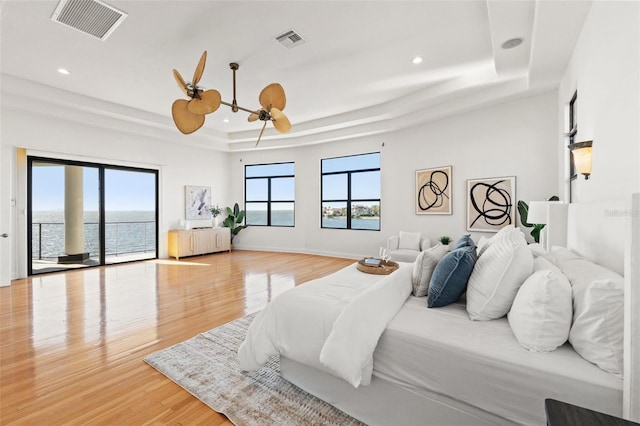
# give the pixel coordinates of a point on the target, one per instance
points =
(383, 268)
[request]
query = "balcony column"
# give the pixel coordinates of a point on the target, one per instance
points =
(73, 216)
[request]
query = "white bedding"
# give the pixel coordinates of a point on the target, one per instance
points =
(480, 363)
(332, 323)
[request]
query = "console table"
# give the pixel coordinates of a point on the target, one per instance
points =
(193, 242)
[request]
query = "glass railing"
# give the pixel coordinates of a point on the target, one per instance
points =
(121, 238)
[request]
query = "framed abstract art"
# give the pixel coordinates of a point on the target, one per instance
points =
(490, 203)
(197, 202)
(433, 191)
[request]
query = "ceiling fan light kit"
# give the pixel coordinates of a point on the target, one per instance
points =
(188, 115)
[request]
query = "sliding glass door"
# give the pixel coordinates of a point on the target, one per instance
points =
(130, 215)
(87, 214)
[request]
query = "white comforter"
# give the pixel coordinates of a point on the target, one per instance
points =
(332, 323)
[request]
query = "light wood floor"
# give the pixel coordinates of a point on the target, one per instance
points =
(72, 344)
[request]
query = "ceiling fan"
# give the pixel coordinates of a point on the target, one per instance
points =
(188, 115)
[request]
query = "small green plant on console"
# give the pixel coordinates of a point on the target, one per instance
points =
(215, 211)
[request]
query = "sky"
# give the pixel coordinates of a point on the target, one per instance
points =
(132, 190)
(333, 186)
(124, 190)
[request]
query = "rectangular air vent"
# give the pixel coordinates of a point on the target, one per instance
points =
(92, 17)
(290, 39)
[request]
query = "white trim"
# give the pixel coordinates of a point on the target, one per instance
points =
(596, 230)
(631, 387)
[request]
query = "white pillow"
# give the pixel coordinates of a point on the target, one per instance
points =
(541, 263)
(409, 240)
(597, 332)
(538, 251)
(562, 255)
(497, 276)
(540, 316)
(481, 243)
(423, 268)
(498, 235)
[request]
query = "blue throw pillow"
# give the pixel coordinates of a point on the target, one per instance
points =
(449, 279)
(464, 241)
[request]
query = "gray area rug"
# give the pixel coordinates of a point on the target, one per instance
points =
(207, 367)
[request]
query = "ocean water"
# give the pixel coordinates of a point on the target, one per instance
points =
(129, 232)
(341, 222)
(286, 218)
(126, 232)
(278, 217)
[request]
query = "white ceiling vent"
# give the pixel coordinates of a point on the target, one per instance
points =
(291, 39)
(89, 16)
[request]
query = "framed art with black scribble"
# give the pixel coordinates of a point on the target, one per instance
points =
(433, 191)
(490, 203)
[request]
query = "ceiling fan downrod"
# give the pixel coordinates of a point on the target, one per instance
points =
(234, 105)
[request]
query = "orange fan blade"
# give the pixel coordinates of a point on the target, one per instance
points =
(197, 75)
(209, 102)
(253, 117)
(260, 135)
(280, 121)
(181, 83)
(273, 96)
(186, 121)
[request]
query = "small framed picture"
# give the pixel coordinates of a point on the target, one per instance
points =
(433, 191)
(490, 203)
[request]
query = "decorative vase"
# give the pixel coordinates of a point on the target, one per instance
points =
(215, 222)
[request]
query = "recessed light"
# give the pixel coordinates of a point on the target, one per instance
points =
(417, 59)
(226, 120)
(64, 71)
(514, 42)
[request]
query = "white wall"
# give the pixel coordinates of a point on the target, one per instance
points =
(109, 142)
(516, 138)
(605, 69)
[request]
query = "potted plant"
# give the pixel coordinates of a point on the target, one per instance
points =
(445, 240)
(234, 221)
(215, 212)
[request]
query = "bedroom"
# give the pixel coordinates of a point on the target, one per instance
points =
(527, 131)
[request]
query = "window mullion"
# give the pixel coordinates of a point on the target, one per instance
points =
(269, 201)
(349, 200)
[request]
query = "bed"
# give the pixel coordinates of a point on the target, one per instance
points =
(436, 366)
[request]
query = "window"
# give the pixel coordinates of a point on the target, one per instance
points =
(269, 194)
(351, 192)
(573, 130)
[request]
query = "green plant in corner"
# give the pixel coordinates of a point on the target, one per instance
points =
(444, 240)
(523, 209)
(234, 220)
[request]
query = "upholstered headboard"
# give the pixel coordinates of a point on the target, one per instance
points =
(595, 230)
(608, 233)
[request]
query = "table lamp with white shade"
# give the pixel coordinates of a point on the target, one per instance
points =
(539, 214)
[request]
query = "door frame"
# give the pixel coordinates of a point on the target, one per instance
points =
(101, 175)
(7, 204)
